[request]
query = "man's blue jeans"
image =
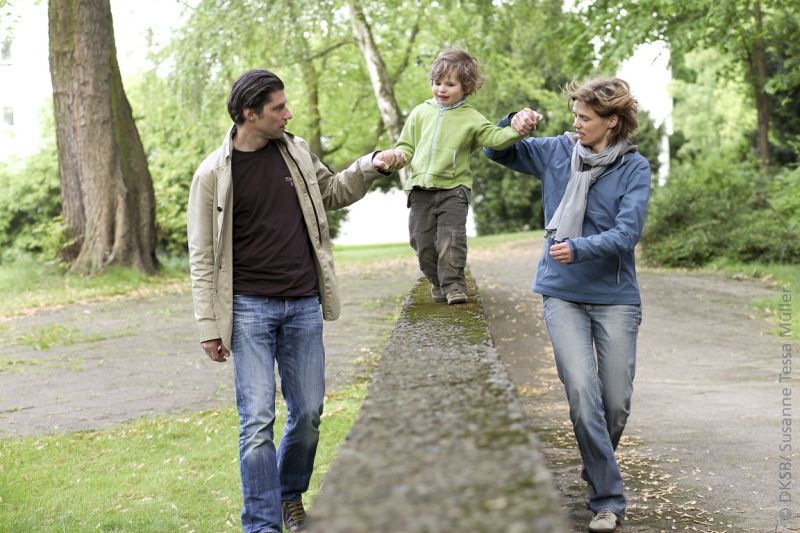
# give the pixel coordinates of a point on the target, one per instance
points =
(598, 387)
(289, 332)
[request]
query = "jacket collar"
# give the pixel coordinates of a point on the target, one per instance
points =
(437, 105)
(227, 143)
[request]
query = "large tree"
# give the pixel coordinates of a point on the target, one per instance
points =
(106, 189)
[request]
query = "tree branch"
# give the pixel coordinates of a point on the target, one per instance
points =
(331, 48)
(407, 54)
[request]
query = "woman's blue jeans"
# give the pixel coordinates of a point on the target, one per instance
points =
(595, 353)
(289, 332)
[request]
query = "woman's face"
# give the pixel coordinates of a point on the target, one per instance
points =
(592, 129)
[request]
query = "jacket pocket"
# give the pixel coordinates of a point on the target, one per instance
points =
(599, 221)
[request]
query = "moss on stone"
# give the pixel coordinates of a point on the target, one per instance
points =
(464, 321)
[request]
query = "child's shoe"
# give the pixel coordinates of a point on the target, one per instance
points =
(437, 295)
(456, 296)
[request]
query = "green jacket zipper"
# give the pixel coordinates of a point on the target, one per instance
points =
(433, 145)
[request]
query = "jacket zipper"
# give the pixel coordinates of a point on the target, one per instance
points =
(433, 146)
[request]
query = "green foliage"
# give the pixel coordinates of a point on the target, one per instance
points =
(505, 201)
(714, 207)
(30, 204)
(180, 106)
(738, 31)
(712, 112)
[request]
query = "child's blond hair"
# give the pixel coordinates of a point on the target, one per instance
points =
(465, 67)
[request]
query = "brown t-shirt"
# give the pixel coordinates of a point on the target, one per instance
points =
(271, 248)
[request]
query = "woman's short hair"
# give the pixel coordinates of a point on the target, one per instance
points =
(458, 61)
(608, 96)
(252, 90)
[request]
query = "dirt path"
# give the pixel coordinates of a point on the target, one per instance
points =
(702, 445)
(92, 365)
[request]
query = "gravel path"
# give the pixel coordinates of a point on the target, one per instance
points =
(93, 365)
(702, 445)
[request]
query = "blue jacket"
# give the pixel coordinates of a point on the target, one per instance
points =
(603, 269)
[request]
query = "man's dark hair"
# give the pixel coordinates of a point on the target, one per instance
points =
(252, 90)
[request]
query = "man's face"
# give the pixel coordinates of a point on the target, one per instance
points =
(271, 122)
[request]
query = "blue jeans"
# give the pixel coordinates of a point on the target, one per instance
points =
(289, 332)
(598, 387)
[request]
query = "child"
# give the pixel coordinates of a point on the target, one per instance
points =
(437, 140)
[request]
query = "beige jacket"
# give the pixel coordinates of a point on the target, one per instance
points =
(209, 226)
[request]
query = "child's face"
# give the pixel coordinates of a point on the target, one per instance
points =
(447, 90)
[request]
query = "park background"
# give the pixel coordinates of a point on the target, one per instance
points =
(726, 198)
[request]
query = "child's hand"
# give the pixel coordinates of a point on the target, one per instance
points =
(525, 121)
(389, 160)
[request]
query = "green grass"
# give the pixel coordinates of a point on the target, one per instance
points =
(370, 253)
(363, 254)
(59, 335)
(487, 241)
(28, 284)
(785, 278)
(161, 474)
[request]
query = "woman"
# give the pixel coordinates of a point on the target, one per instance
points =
(595, 187)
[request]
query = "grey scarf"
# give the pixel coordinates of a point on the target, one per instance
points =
(567, 221)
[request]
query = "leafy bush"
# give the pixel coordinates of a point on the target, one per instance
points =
(30, 203)
(721, 206)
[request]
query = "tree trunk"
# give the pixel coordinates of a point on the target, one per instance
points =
(378, 75)
(311, 80)
(107, 195)
(759, 69)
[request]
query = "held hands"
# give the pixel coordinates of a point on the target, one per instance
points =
(389, 160)
(524, 121)
(215, 350)
(561, 252)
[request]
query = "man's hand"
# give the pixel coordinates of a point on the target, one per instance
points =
(389, 160)
(561, 252)
(216, 350)
(525, 120)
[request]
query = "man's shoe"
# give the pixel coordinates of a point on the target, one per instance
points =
(604, 522)
(456, 296)
(437, 295)
(294, 516)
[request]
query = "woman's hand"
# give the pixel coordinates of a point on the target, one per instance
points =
(561, 252)
(525, 120)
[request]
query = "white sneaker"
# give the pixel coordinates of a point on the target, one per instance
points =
(604, 522)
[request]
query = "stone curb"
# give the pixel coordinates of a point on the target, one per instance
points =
(441, 444)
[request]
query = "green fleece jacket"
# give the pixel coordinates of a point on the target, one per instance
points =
(438, 142)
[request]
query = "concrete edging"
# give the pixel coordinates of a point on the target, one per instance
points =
(441, 444)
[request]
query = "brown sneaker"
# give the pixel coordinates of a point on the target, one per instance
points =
(437, 295)
(294, 516)
(456, 296)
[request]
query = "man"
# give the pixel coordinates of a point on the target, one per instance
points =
(261, 265)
